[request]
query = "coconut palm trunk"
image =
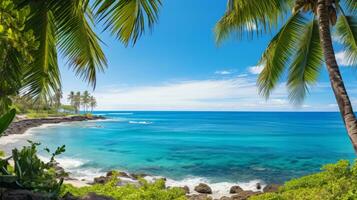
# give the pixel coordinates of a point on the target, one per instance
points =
(337, 84)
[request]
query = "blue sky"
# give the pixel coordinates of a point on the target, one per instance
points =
(178, 66)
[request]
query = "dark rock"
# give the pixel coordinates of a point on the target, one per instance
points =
(123, 174)
(271, 188)
(225, 198)
(101, 180)
(94, 196)
(235, 189)
(19, 127)
(203, 188)
(69, 196)
(23, 195)
(199, 197)
(186, 189)
(258, 186)
(138, 176)
(244, 195)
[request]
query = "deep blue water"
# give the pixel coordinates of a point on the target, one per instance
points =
(218, 146)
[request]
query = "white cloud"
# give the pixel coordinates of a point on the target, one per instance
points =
(342, 59)
(223, 72)
(256, 69)
(239, 93)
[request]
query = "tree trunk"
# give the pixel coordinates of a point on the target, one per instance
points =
(337, 84)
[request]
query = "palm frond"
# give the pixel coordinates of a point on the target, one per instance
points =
(76, 39)
(43, 77)
(246, 16)
(351, 5)
(128, 19)
(346, 32)
(278, 53)
(306, 64)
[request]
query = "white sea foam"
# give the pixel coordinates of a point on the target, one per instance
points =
(219, 189)
(140, 122)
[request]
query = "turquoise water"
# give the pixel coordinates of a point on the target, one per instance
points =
(217, 146)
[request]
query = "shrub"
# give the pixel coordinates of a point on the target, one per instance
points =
(30, 172)
(336, 182)
(147, 191)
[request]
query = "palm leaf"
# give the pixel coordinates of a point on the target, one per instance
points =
(278, 53)
(128, 19)
(250, 16)
(6, 120)
(43, 77)
(306, 64)
(77, 41)
(346, 32)
(351, 5)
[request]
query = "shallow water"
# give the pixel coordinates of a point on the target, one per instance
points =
(219, 147)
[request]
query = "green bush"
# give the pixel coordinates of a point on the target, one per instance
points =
(148, 191)
(29, 172)
(336, 182)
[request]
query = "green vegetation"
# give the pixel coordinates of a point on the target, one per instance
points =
(16, 51)
(29, 172)
(301, 45)
(148, 191)
(336, 181)
(32, 33)
(86, 100)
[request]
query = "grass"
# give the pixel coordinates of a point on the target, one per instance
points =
(336, 182)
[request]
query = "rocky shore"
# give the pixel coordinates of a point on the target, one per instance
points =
(200, 192)
(20, 126)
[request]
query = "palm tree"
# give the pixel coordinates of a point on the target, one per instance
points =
(71, 98)
(92, 103)
(302, 44)
(66, 26)
(77, 102)
(85, 99)
(57, 98)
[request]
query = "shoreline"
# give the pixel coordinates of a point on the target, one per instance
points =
(219, 190)
(21, 126)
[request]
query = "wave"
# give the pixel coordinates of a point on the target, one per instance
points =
(219, 189)
(78, 168)
(140, 122)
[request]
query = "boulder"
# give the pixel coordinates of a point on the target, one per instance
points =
(94, 196)
(138, 176)
(244, 195)
(235, 189)
(258, 186)
(203, 188)
(186, 189)
(271, 188)
(199, 197)
(22, 195)
(225, 198)
(101, 180)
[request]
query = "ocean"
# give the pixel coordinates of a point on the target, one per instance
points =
(220, 148)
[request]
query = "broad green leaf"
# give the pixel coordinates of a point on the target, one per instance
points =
(6, 120)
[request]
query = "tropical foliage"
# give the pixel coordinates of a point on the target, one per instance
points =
(156, 190)
(86, 100)
(64, 27)
(16, 50)
(301, 45)
(29, 172)
(336, 181)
